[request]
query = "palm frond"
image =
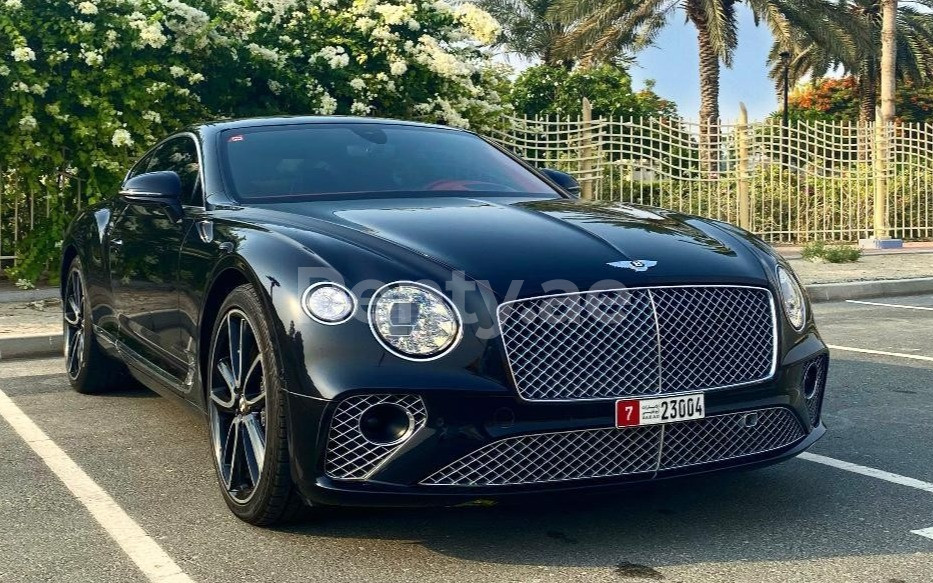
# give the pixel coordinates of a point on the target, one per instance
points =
(722, 27)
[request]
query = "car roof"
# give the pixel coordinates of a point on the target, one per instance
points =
(251, 122)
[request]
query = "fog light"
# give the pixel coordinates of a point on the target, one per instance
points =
(386, 424)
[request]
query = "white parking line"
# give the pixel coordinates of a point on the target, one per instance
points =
(878, 474)
(881, 352)
(149, 557)
(870, 472)
(890, 305)
(925, 532)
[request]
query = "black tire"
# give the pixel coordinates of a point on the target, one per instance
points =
(90, 371)
(245, 404)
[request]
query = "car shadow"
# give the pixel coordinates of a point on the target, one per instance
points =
(728, 517)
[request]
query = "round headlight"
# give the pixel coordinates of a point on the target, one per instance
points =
(328, 303)
(414, 321)
(792, 298)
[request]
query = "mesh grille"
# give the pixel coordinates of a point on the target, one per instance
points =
(596, 453)
(713, 336)
(636, 342)
(350, 456)
(727, 436)
(815, 401)
(553, 457)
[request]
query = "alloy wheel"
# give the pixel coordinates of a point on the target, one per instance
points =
(237, 406)
(73, 312)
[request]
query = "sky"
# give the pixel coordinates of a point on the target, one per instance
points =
(673, 64)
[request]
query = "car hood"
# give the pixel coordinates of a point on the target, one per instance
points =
(543, 244)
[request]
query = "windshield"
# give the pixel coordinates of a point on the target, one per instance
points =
(264, 163)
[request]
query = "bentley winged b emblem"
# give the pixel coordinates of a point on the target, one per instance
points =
(634, 264)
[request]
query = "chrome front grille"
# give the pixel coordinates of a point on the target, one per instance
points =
(637, 342)
(350, 456)
(599, 453)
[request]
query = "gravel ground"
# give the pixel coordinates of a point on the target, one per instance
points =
(25, 318)
(869, 267)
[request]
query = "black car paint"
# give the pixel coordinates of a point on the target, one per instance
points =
(158, 319)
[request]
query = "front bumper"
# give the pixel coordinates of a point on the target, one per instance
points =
(459, 424)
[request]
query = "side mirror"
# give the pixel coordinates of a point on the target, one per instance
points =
(564, 180)
(165, 186)
(154, 187)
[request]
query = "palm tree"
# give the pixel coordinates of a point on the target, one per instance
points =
(600, 28)
(528, 28)
(888, 58)
(847, 35)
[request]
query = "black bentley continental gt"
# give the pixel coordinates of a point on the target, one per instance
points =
(375, 312)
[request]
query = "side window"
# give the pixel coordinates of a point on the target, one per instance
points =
(181, 155)
(140, 166)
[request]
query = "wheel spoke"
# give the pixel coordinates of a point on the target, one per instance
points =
(254, 446)
(230, 453)
(74, 316)
(233, 338)
(73, 347)
(253, 388)
(74, 299)
(223, 368)
(225, 405)
(80, 350)
(79, 286)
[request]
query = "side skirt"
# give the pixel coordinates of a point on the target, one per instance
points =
(145, 371)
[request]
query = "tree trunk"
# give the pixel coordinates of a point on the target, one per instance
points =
(867, 95)
(709, 89)
(888, 58)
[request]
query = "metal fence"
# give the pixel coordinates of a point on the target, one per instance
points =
(24, 206)
(811, 180)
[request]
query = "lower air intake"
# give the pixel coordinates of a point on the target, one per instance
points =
(598, 453)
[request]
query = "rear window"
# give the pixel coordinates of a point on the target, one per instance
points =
(268, 163)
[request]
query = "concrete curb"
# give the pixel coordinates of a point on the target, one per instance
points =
(39, 345)
(33, 346)
(855, 290)
(29, 295)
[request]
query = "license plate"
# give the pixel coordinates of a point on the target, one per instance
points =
(634, 412)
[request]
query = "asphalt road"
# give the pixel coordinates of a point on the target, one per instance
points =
(800, 521)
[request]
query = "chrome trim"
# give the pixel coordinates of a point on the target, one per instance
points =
(774, 342)
(395, 351)
(405, 436)
(142, 193)
(307, 311)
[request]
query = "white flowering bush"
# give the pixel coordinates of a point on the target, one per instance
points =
(87, 85)
(394, 58)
